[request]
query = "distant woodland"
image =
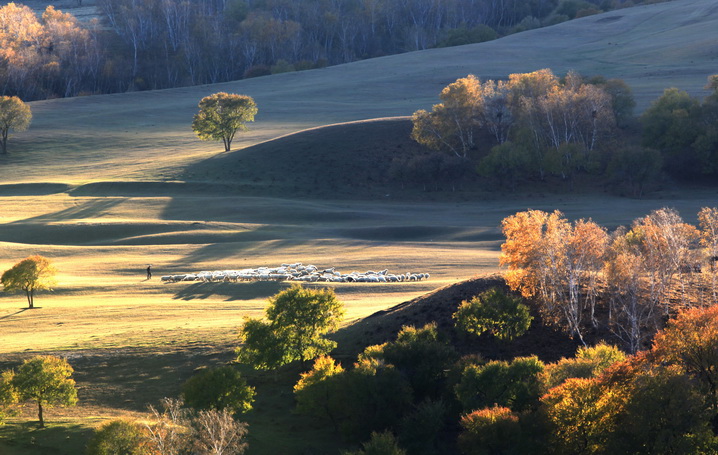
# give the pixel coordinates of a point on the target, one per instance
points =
(538, 127)
(154, 44)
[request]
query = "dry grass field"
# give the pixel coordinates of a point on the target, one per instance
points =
(104, 185)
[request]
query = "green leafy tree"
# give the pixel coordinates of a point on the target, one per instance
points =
(622, 98)
(218, 388)
(663, 412)
(8, 393)
(589, 362)
(379, 444)
(297, 321)
(671, 125)
(514, 384)
(507, 164)
(634, 167)
(420, 355)
(262, 346)
(464, 35)
(494, 312)
(317, 391)
(374, 396)
(29, 275)
(490, 431)
(579, 420)
(15, 115)
(221, 115)
(118, 437)
(46, 380)
(706, 145)
(420, 429)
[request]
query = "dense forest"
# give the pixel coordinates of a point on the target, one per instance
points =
(153, 44)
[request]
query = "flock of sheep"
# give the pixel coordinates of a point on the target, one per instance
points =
(297, 272)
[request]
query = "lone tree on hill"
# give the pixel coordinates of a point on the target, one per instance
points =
(31, 274)
(14, 115)
(46, 380)
(221, 115)
(492, 311)
(298, 319)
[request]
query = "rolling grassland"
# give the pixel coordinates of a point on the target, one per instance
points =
(105, 185)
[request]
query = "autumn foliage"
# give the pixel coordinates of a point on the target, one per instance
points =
(533, 123)
(627, 282)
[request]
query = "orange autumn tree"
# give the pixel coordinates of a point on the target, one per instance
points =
(555, 262)
(691, 341)
(667, 245)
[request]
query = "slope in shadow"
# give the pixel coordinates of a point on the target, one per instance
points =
(356, 160)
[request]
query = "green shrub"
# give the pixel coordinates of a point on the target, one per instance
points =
(589, 362)
(257, 71)
(494, 312)
(282, 66)
(118, 437)
(218, 388)
(506, 164)
(373, 397)
(380, 444)
(490, 431)
(514, 384)
(420, 429)
(463, 35)
(420, 355)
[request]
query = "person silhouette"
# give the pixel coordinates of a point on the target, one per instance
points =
(149, 271)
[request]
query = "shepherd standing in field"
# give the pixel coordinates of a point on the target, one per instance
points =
(149, 271)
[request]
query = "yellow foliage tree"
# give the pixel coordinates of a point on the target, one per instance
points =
(14, 115)
(29, 275)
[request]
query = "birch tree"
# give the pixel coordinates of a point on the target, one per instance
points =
(708, 219)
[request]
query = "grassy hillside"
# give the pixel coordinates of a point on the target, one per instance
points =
(146, 135)
(353, 160)
(105, 185)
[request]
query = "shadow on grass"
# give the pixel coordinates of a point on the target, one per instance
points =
(22, 310)
(131, 379)
(60, 438)
(230, 291)
(258, 242)
(86, 209)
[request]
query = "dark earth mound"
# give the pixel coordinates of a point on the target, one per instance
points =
(547, 343)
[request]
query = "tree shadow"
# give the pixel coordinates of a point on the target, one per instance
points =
(22, 310)
(230, 291)
(89, 209)
(256, 244)
(133, 378)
